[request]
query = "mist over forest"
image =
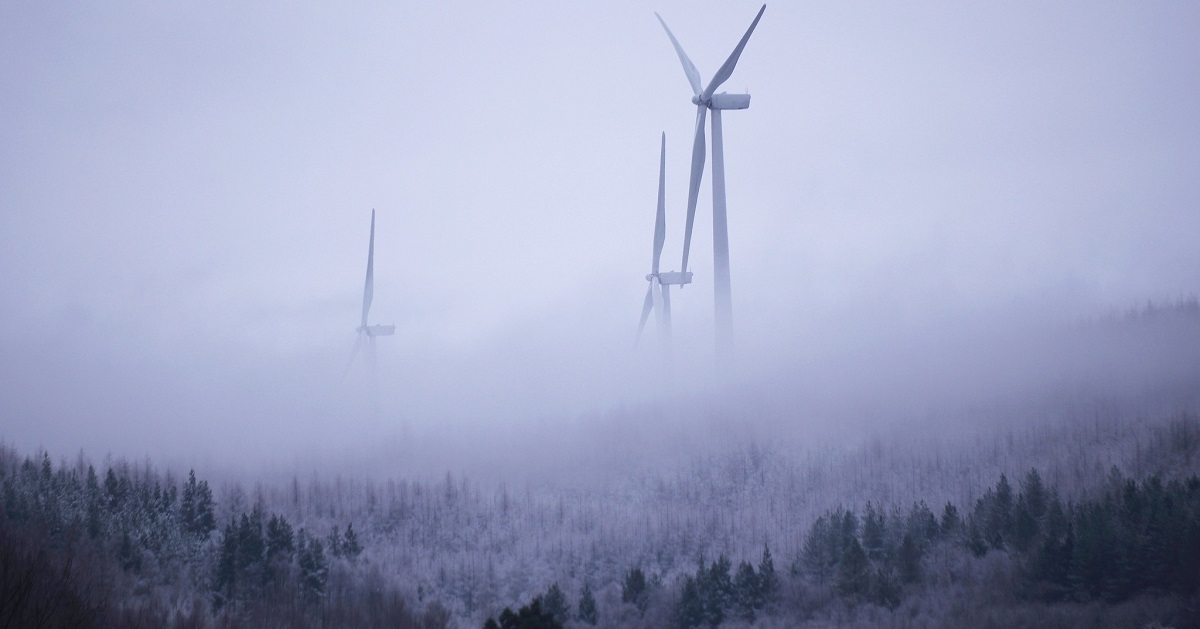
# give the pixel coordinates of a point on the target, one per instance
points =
(708, 512)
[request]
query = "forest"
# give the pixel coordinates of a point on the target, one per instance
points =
(1064, 510)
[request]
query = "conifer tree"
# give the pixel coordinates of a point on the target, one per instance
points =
(872, 532)
(251, 548)
(92, 503)
(747, 593)
(554, 602)
(767, 579)
(909, 559)
(719, 588)
(225, 580)
(1034, 492)
(531, 616)
(1025, 525)
(280, 538)
(820, 552)
(922, 523)
(112, 490)
(633, 589)
(587, 606)
(690, 612)
(314, 568)
(196, 508)
(1000, 517)
(852, 578)
(187, 504)
(351, 547)
(951, 523)
(334, 542)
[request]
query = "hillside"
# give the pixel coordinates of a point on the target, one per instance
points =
(898, 527)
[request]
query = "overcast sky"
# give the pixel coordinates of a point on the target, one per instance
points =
(186, 189)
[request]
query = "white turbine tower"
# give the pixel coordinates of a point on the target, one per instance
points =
(658, 295)
(367, 333)
(705, 101)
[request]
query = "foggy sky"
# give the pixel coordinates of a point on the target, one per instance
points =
(185, 194)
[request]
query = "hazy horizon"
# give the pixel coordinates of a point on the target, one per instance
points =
(920, 198)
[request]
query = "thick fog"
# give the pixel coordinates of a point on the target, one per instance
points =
(930, 206)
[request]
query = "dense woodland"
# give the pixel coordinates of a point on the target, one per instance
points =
(1088, 514)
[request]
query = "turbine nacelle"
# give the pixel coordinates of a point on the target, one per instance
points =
(723, 101)
(671, 278)
(377, 330)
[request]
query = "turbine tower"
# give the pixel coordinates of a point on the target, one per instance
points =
(367, 333)
(658, 295)
(705, 101)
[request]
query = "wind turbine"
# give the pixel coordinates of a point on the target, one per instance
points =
(705, 101)
(367, 333)
(658, 295)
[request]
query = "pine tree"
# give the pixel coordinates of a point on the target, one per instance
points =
(872, 533)
(747, 594)
(853, 570)
(767, 579)
(334, 542)
(633, 590)
(922, 523)
(820, 553)
(531, 616)
(1000, 522)
(112, 489)
(1035, 494)
(47, 470)
(1025, 525)
(587, 606)
(251, 549)
(1029, 511)
(847, 528)
(280, 538)
(554, 602)
(280, 546)
(92, 502)
(909, 559)
(187, 504)
(951, 523)
(225, 580)
(1092, 561)
(351, 548)
(690, 612)
(205, 520)
(314, 568)
(719, 591)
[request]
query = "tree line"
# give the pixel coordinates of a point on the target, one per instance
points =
(78, 551)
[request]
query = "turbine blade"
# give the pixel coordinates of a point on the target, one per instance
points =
(353, 354)
(646, 307)
(689, 69)
(694, 183)
(726, 70)
(656, 291)
(369, 285)
(660, 219)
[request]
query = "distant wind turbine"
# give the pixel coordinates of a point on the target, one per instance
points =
(705, 101)
(367, 333)
(658, 295)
